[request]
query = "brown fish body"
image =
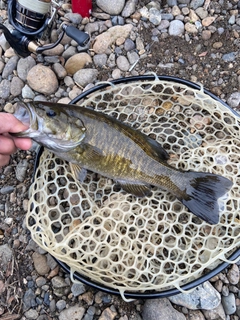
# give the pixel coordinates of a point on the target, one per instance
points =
(105, 145)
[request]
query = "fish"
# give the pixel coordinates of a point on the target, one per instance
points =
(92, 140)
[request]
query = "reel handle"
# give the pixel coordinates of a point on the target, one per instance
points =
(82, 38)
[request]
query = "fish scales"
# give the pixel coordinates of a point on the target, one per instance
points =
(93, 140)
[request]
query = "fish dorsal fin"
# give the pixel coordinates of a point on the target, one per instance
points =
(78, 172)
(138, 189)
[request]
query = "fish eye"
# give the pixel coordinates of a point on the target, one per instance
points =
(51, 113)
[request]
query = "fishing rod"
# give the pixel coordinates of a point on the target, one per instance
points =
(32, 21)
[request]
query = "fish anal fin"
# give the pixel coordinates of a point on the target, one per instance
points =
(78, 172)
(137, 189)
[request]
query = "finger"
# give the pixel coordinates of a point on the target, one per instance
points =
(22, 143)
(7, 145)
(8, 123)
(4, 160)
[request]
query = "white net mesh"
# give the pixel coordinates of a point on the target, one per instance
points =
(138, 244)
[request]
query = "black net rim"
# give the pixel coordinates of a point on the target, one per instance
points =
(170, 292)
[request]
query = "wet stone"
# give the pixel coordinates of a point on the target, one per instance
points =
(229, 303)
(10, 66)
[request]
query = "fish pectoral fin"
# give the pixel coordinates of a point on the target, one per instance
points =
(157, 150)
(78, 172)
(137, 189)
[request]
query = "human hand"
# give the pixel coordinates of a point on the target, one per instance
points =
(8, 143)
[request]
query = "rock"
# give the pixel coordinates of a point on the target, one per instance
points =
(40, 263)
(191, 28)
(229, 304)
(27, 92)
(108, 314)
(228, 57)
(78, 288)
(29, 299)
(129, 8)
(5, 256)
(42, 79)
(100, 60)
(75, 18)
(215, 314)
(123, 63)
(206, 35)
(10, 66)
(31, 314)
(77, 62)
(85, 76)
(113, 7)
(160, 309)
(21, 169)
(204, 296)
(69, 52)
(74, 312)
(59, 70)
(196, 4)
(5, 86)
(195, 315)
(201, 12)
(16, 86)
(207, 21)
(56, 51)
(233, 273)
(155, 16)
(129, 45)
(104, 40)
(61, 304)
(176, 28)
(234, 99)
(24, 66)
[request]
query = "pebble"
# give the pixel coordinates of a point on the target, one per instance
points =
(234, 99)
(61, 305)
(129, 8)
(176, 28)
(77, 62)
(233, 274)
(31, 314)
(42, 79)
(16, 86)
(108, 314)
(100, 60)
(229, 303)
(160, 309)
(10, 66)
(196, 4)
(73, 312)
(77, 288)
(5, 256)
(21, 170)
(228, 57)
(24, 66)
(215, 314)
(123, 63)
(204, 296)
(40, 263)
(113, 7)
(85, 76)
(104, 40)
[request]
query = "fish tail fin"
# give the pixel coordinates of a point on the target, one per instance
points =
(202, 193)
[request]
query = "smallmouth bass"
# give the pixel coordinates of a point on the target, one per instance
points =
(92, 140)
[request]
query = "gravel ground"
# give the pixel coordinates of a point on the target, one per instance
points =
(196, 40)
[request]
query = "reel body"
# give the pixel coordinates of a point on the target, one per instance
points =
(32, 21)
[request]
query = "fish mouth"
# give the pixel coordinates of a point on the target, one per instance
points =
(25, 113)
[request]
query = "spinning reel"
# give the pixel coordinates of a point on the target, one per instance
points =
(32, 21)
